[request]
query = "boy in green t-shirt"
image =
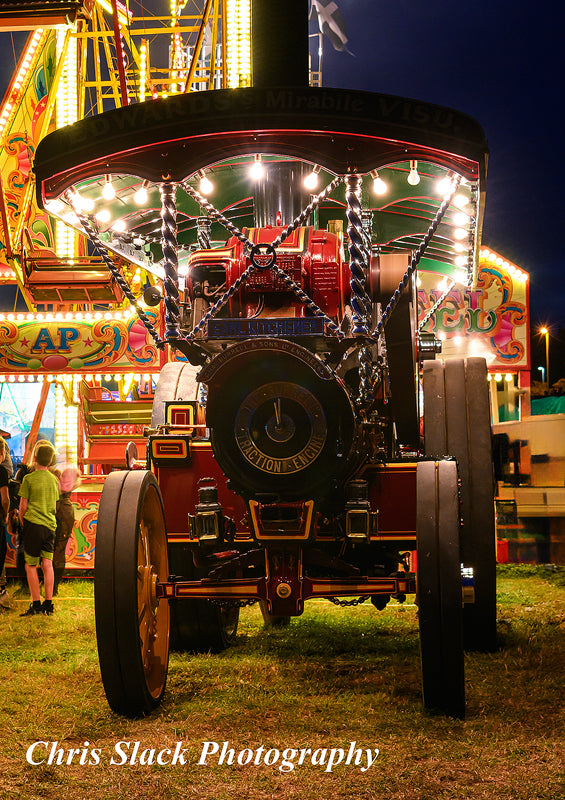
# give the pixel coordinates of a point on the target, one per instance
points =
(39, 493)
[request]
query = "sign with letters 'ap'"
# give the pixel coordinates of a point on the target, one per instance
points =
(56, 343)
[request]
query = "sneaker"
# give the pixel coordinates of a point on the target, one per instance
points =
(5, 601)
(47, 607)
(32, 611)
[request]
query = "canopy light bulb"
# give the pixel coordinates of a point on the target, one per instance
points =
(379, 186)
(443, 186)
(82, 203)
(461, 218)
(119, 226)
(103, 215)
(311, 180)
(460, 200)
(140, 196)
(206, 186)
(108, 191)
(413, 177)
(257, 170)
(460, 233)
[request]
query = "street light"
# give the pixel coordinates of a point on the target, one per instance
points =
(544, 332)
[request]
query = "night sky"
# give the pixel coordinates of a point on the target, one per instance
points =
(502, 63)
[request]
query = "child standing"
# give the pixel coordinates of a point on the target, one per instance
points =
(39, 493)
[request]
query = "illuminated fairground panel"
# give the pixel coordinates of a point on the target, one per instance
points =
(38, 345)
(491, 320)
(83, 381)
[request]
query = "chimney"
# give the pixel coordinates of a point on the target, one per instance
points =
(279, 43)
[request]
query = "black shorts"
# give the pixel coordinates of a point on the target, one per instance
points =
(38, 542)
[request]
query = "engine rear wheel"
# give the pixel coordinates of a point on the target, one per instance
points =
(132, 623)
(457, 423)
(439, 588)
(199, 626)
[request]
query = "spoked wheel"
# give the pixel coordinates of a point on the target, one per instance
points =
(457, 423)
(132, 624)
(199, 626)
(439, 588)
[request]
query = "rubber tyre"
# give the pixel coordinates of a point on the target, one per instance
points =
(439, 588)
(177, 381)
(198, 626)
(132, 625)
(457, 423)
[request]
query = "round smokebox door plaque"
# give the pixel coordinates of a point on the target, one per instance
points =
(280, 428)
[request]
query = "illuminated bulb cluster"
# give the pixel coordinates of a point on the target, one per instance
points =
(238, 43)
(143, 57)
(69, 316)
(65, 239)
(23, 75)
(66, 427)
(8, 275)
(67, 103)
(177, 62)
(515, 272)
(498, 377)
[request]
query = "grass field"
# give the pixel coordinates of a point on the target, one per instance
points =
(334, 677)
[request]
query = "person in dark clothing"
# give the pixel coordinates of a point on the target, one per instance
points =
(65, 515)
(4, 509)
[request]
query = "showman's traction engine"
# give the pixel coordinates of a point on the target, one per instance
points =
(306, 438)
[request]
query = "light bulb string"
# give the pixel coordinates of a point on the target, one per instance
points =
(289, 282)
(215, 214)
(415, 260)
(303, 216)
(95, 240)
